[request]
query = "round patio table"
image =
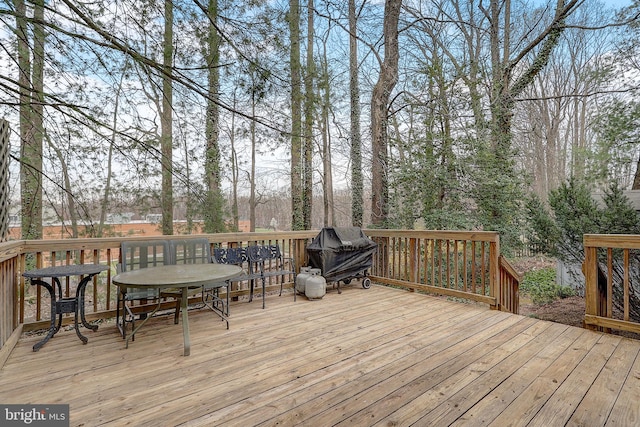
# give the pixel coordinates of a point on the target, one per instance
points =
(181, 276)
(60, 304)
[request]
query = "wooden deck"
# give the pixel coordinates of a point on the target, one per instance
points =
(381, 356)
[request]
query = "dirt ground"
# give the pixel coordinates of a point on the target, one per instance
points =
(569, 311)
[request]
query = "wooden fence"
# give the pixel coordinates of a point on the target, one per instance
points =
(454, 263)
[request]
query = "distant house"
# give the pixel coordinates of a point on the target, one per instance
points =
(119, 218)
(571, 275)
(632, 195)
(153, 218)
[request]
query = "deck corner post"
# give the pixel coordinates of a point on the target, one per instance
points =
(590, 270)
(495, 289)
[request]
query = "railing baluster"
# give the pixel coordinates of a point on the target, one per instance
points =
(626, 284)
(609, 301)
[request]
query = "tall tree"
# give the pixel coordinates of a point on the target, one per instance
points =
(499, 189)
(30, 80)
(213, 208)
(166, 120)
(233, 161)
(255, 87)
(324, 90)
(387, 79)
(357, 182)
(309, 101)
(297, 167)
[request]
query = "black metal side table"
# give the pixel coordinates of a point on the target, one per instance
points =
(61, 305)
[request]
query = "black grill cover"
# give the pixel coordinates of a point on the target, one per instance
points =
(341, 253)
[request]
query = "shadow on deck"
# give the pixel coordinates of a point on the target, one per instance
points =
(380, 356)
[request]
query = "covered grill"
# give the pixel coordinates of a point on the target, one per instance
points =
(342, 254)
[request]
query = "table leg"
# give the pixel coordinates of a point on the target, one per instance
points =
(52, 327)
(77, 326)
(228, 292)
(217, 304)
(56, 283)
(82, 286)
(79, 310)
(184, 307)
(141, 324)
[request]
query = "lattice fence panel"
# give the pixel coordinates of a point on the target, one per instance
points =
(4, 180)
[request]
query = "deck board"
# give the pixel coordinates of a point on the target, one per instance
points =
(380, 356)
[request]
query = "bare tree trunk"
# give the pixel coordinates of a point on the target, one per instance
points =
(329, 207)
(71, 202)
(31, 147)
(580, 140)
(190, 203)
(357, 182)
(379, 113)
(636, 177)
(37, 79)
(234, 169)
(447, 156)
(297, 211)
(309, 102)
(213, 208)
(252, 178)
(104, 204)
(166, 121)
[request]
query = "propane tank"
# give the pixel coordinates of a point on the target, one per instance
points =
(315, 287)
(301, 278)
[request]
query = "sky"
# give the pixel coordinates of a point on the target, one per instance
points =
(619, 3)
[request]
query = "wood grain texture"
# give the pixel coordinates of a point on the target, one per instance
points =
(380, 356)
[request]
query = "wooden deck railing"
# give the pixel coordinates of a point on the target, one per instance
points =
(454, 263)
(458, 264)
(612, 282)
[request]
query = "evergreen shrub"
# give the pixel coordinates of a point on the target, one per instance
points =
(540, 285)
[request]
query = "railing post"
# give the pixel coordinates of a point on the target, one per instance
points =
(299, 252)
(413, 259)
(495, 289)
(590, 270)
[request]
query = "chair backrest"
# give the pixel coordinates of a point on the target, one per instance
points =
(258, 253)
(273, 252)
(142, 254)
(265, 253)
(235, 256)
(190, 251)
